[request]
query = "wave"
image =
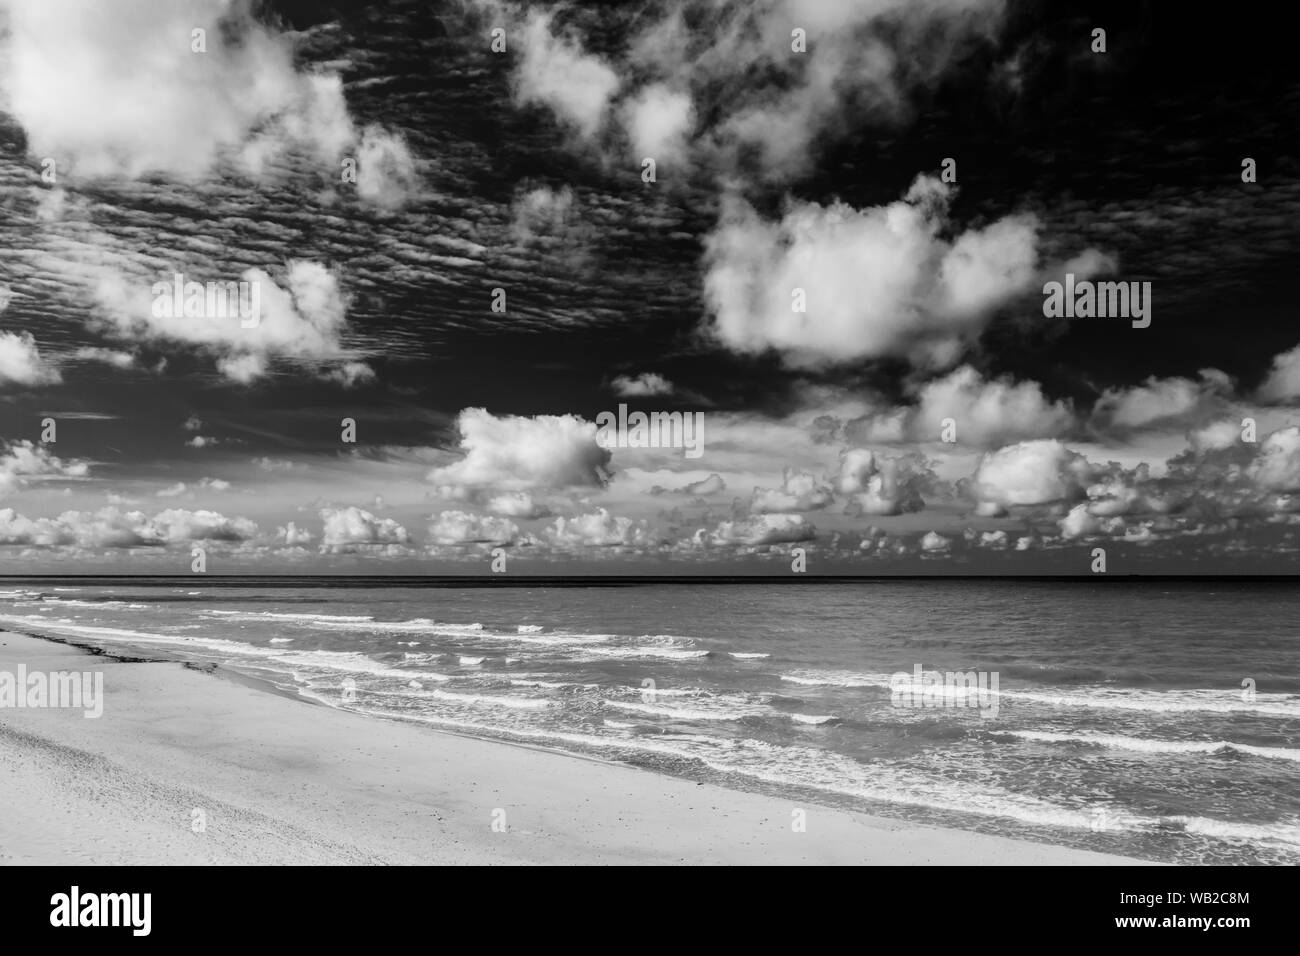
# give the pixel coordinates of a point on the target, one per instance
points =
(477, 700)
(719, 711)
(1228, 830)
(1149, 745)
(555, 639)
(874, 782)
(289, 616)
(816, 678)
(102, 603)
(553, 684)
(813, 719)
(353, 663)
(1207, 700)
(664, 653)
(419, 625)
(146, 638)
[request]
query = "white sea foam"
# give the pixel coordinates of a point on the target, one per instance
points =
(353, 663)
(127, 636)
(289, 616)
(1285, 833)
(813, 719)
(816, 678)
(707, 709)
(552, 684)
(419, 625)
(1164, 701)
(663, 653)
(1149, 745)
(476, 700)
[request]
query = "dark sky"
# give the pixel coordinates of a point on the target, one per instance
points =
(521, 171)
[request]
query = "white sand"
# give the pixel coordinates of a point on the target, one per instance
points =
(282, 781)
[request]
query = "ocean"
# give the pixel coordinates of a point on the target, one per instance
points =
(1154, 719)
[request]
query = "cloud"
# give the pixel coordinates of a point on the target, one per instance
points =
(1282, 386)
(386, 171)
(1079, 522)
(757, 530)
(517, 504)
(460, 527)
(881, 485)
(23, 462)
(879, 282)
(178, 525)
(799, 491)
(516, 453)
(658, 121)
(21, 363)
(1132, 491)
(292, 535)
(556, 72)
(115, 89)
(645, 385)
(1277, 467)
(1156, 402)
(543, 211)
(113, 357)
(987, 414)
(1031, 473)
(302, 322)
(599, 529)
(732, 63)
(702, 488)
(275, 464)
(244, 369)
(351, 374)
(15, 529)
(933, 541)
(111, 528)
(864, 60)
(351, 530)
(1215, 435)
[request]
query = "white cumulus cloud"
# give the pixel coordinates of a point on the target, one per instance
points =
(878, 282)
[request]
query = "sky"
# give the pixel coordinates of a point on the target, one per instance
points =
(456, 263)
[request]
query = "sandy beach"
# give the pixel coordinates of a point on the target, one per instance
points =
(278, 780)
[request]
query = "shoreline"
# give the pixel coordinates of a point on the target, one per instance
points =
(184, 769)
